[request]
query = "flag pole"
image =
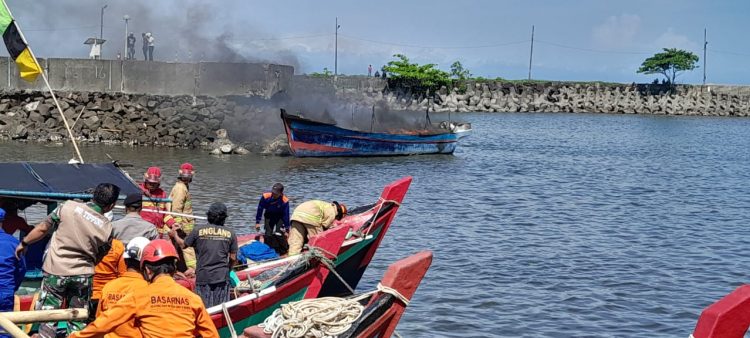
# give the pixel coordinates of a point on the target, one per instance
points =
(46, 82)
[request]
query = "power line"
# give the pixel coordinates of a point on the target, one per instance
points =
(433, 47)
(591, 50)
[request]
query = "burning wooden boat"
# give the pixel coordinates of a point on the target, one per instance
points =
(379, 311)
(308, 138)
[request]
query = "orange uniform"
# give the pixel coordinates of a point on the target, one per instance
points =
(109, 268)
(113, 292)
(161, 309)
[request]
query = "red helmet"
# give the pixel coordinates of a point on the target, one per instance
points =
(186, 170)
(157, 250)
(152, 175)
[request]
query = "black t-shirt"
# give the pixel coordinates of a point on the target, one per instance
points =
(213, 244)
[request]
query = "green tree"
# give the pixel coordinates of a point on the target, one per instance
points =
(458, 71)
(325, 73)
(414, 76)
(669, 63)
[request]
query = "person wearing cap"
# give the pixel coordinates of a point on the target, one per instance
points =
(12, 269)
(216, 249)
(274, 207)
(311, 218)
(163, 308)
(81, 237)
(130, 280)
(152, 207)
(182, 203)
(133, 225)
(109, 268)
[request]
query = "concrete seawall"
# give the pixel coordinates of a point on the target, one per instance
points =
(153, 78)
(175, 104)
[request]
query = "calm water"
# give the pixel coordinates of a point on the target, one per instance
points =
(543, 225)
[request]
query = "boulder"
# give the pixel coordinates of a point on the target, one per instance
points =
(29, 107)
(19, 132)
(92, 122)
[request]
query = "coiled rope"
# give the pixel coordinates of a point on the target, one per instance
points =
(321, 317)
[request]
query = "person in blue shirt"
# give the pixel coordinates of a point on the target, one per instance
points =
(12, 270)
(274, 207)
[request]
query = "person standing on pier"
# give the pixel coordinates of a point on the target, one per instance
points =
(274, 207)
(81, 237)
(182, 202)
(131, 46)
(145, 46)
(150, 38)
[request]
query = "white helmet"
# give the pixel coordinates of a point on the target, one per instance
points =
(134, 250)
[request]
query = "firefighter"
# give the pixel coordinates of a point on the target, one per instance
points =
(182, 203)
(161, 309)
(311, 218)
(151, 205)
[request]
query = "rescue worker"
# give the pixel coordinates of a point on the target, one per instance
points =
(182, 203)
(109, 268)
(276, 207)
(12, 270)
(161, 309)
(216, 248)
(131, 280)
(81, 236)
(151, 206)
(311, 218)
(133, 225)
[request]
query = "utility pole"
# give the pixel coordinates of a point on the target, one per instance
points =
(101, 29)
(705, 44)
(126, 54)
(336, 50)
(531, 54)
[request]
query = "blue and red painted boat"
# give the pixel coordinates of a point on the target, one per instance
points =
(308, 138)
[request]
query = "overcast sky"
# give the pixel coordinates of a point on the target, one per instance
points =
(574, 40)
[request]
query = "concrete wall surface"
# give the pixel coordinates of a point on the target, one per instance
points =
(154, 78)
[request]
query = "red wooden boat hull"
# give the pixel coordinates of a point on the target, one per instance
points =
(383, 311)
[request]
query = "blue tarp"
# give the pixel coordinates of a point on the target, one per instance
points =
(60, 181)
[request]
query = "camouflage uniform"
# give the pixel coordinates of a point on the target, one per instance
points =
(61, 292)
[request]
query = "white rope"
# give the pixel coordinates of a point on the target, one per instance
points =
(229, 320)
(394, 293)
(325, 317)
(377, 214)
(313, 318)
